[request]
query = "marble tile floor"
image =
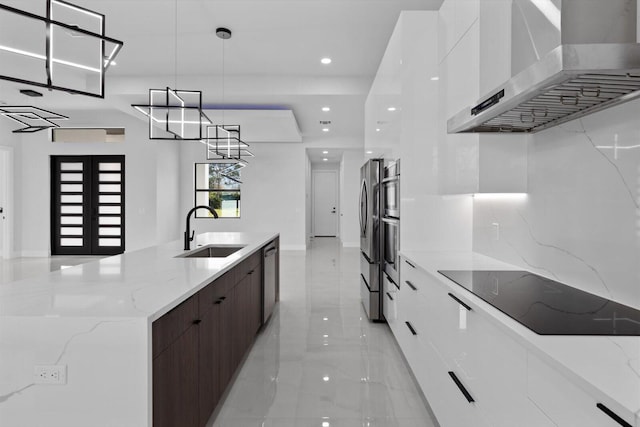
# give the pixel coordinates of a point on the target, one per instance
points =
(319, 362)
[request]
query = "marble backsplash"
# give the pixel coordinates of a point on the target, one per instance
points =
(580, 220)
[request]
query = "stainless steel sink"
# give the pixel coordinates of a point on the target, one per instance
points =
(213, 252)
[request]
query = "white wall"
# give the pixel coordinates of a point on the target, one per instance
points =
(272, 192)
(350, 165)
(168, 190)
(33, 182)
(10, 140)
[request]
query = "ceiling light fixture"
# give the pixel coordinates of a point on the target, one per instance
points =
(325, 152)
(32, 119)
(326, 61)
(95, 50)
(325, 129)
(174, 114)
(391, 109)
(377, 129)
(435, 78)
(325, 160)
(326, 109)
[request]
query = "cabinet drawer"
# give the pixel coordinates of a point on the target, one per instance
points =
(247, 266)
(389, 297)
(169, 327)
(565, 403)
(214, 291)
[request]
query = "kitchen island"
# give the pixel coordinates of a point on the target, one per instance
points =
(100, 328)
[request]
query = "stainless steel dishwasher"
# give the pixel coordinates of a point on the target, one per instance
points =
(270, 278)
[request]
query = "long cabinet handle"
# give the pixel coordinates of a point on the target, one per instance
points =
(389, 295)
(410, 285)
(410, 265)
(459, 301)
(613, 415)
(413, 331)
(461, 387)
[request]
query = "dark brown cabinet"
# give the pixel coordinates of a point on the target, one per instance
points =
(175, 368)
(199, 345)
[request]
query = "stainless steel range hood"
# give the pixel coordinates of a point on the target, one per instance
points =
(595, 66)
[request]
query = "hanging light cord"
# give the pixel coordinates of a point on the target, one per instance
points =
(223, 83)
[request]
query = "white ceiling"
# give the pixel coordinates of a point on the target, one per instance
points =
(272, 60)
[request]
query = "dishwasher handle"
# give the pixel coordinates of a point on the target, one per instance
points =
(270, 251)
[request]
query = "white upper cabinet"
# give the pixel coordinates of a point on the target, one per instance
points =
(475, 56)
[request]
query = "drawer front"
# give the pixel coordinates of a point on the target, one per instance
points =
(370, 300)
(565, 403)
(169, 327)
(214, 291)
(389, 298)
(370, 272)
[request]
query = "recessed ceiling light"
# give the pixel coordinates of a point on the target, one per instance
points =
(369, 152)
(325, 378)
(325, 160)
(391, 109)
(325, 152)
(326, 61)
(325, 129)
(326, 109)
(434, 78)
(377, 129)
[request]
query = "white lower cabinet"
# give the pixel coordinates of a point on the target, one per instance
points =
(457, 353)
(565, 403)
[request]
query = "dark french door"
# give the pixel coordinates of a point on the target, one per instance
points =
(87, 205)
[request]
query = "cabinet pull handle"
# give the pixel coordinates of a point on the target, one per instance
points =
(218, 302)
(389, 295)
(410, 285)
(413, 331)
(613, 415)
(197, 322)
(459, 301)
(223, 298)
(410, 265)
(461, 387)
(251, 272)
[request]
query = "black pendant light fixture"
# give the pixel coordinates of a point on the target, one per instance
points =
(32, 119)
(65, 50)
(223, 142)
(175, 114)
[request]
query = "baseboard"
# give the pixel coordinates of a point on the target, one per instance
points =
(350, 244)
(293, 247)
(34, 254)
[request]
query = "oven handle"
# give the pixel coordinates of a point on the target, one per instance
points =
(391, 220)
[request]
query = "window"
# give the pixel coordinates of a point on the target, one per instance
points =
(218, 186)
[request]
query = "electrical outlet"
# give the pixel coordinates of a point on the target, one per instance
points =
(50, 374)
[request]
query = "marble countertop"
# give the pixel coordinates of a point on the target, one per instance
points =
(141, 284)
(608, 367)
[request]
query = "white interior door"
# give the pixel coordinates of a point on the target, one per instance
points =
(325, 203)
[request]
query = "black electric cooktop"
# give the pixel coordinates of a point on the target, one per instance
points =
(548, 307)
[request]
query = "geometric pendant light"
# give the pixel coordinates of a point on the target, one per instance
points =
(223, 143)
(174, 114)
(66, 50)
(32, 119)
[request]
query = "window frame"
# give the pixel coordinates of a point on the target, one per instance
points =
(197, 190)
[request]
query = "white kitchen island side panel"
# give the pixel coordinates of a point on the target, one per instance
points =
(107, 372)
